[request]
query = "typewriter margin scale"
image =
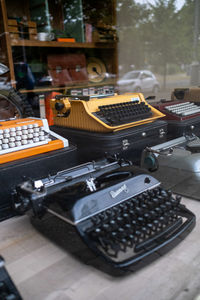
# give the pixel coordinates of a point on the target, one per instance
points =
(34, 194)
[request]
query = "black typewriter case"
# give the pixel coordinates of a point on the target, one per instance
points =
(35, 167)
(128, 143)
(186, 127)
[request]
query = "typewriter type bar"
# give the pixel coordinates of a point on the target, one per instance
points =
(106, 114)
(125, 221)
(22, 138)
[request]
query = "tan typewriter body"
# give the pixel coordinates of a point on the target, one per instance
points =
(81, 113)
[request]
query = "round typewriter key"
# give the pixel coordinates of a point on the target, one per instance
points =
(163, 207)
(36, 129)
(138, 234)
(18, 132)
(1, 142)
(18, 128)
(144, 207)
(139, 211)
(106, 227)
(150, 227)
(6, 135)
(131, 239)
(30, 130)
(11, 145)
(158, 211)
(12, 139)
(18, 138)
(126, 216)
(24, 142)
(135, 201)
(97, 231)
(128, 227)
(1, 131)
(144, 230)
(24, 127)
(5, 141)
(134, 223)
(18, 143)
(155, 201)
(13, 134)
(121, 232)
(30, 141)
(1, 136)
(168, 204)
(113, 224)
(141, 219)
(120, 220)
(163, 220)
(30, 126)
(114, 235)
(24, 137)
(41, 138)
(35, 139)
(156, 223)
(25, 131)
(169, 192)
(41, 133)
(161, 199)
(5, 146)
(7, 130)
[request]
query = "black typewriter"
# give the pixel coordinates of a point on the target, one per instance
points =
(123, 215)
(8, 290)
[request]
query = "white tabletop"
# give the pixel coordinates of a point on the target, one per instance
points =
(42, 269)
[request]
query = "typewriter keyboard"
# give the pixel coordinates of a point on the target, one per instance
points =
(22, 137)
(126, 112)
(183, 109)
(128, 231)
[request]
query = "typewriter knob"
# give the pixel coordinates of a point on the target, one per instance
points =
(59, 106)
(192, 127)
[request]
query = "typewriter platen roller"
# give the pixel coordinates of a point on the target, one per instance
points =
(103, 114)
(124, 216)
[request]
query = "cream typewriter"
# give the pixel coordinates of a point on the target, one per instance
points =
(22, 138)
(103, 114)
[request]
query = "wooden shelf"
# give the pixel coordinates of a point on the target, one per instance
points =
(66, 87)
(35, 43)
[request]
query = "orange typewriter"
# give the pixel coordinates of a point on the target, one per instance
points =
(22, 138)
(103, 114)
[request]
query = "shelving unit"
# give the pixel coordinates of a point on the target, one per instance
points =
(8, 46)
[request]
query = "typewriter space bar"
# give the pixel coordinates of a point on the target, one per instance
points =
(159, 238)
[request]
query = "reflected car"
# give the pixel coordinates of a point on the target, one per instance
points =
(138, 81)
